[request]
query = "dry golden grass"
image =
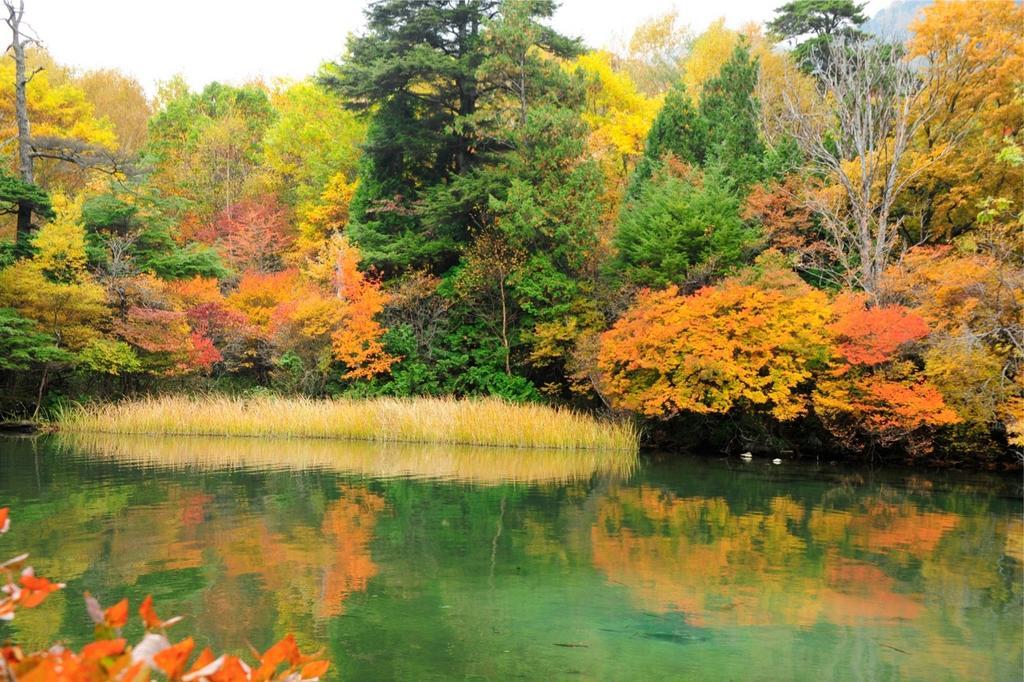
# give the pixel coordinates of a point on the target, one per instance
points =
(485, 422)
(484, 466)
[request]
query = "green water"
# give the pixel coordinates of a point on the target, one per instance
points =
(430, 563)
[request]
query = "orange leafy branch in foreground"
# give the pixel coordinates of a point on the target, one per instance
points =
(110, 657)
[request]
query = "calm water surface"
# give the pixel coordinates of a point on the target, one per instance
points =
(426, 563)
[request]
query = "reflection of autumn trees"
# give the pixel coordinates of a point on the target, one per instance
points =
(884, 560)
(269, 567)
(779, 565)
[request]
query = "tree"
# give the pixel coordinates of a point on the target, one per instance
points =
(54, 289)
(484, 278)
(878, 106)
(357, 300)
(619, 116)
(677, 130)
(422, 69)
(684, 224)
(311, 158)
(810, 24)
(654, 56)
(22, 347)
(18, 196)
(122, 101)
(416, 67)
(973, 59)
(79, 147)
(730, 111)
(206, 146)
(19, 42)
(708, 52)
(873, 395)
(972, 299)
(751, 344)
(252, 235)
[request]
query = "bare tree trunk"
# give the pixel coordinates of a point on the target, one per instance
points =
(25, 165)
(504, 326)
(42, 388)
(873, 103)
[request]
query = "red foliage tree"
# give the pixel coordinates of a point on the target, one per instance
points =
(253, 234)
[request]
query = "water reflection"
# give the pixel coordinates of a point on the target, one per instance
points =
(381, 460)
(490, 567)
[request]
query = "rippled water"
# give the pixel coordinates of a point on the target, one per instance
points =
(424, 563)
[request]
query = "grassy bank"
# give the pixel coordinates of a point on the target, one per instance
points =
(488, 422)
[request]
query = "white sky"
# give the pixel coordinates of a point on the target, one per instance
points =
(236, 40)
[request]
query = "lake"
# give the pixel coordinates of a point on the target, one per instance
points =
(420, 562)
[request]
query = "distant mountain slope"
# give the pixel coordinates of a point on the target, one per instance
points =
(894, 21)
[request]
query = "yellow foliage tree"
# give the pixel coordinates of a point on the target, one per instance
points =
(53, 288)
(975, 70)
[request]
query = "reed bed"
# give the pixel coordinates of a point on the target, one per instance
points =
(481, 466)
(449, 421)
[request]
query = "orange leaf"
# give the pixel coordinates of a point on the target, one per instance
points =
(204, 659)
(231, 671)
(35, 590)
(117, 615)
(5, 521)
(315, 669)
(149, 617)
(138, 672)
(284, 650)
(103, 648)
(172, 660)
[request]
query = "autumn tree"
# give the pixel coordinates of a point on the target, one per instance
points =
(654, 54)
(878, 106)
(973, 59)
(874, 395)
(122, 101)
(51, 122)
(54, 288)
(618, 114)
(358, 300)
(311, 155)
(750, 344)
(252, 235)
(205, 146)
(973, 301)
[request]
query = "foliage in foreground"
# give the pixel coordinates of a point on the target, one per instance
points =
(111, 657)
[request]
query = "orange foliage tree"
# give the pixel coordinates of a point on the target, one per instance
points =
(873, 395)
(766, 342)
(325, 313)
(973, 299)
(752, 344)
(111, 657)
